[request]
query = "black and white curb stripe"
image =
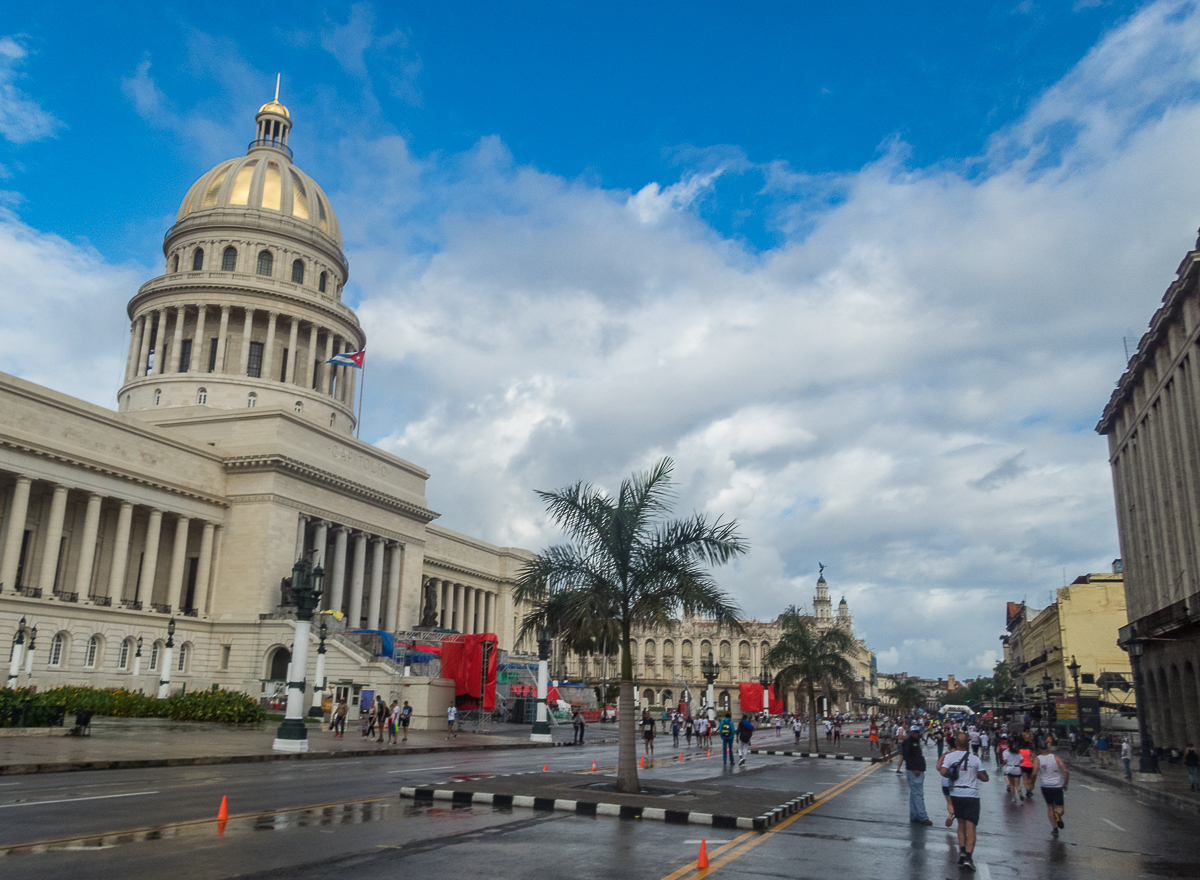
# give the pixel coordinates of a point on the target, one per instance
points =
(840, 756)
(620, 811)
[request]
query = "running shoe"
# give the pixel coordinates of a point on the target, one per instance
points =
(969, 864)
(1060, 822)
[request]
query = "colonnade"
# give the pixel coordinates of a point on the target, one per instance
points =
(276, 361)
(463, 607)
(102, 533)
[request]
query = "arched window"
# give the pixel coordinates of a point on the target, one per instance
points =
(175, 263)
(321, 283)
(157, 396)
(56, 650)
(229, 259)
(252, 400)
(332, 419)
(299, 406)
(123, 655)
(297, 272)
(154, 651)
(185, 651)
(266, 263)
(198, 260)
(202, 396)
(93, 648)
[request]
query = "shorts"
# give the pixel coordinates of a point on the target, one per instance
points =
(404, 721)
(1027, 772)
(966, 809)
(1053, 796)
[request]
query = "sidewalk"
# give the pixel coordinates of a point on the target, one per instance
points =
(127, 743)
(1172, 789)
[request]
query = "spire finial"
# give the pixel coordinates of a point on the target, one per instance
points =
(277, 86)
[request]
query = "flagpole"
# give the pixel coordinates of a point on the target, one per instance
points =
(361, 385)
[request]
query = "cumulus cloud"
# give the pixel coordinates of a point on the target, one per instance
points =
(21, 118)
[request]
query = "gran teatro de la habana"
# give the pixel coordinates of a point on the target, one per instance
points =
(230, 455)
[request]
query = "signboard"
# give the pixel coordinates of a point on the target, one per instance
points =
(1067, 710)
(1089, 715)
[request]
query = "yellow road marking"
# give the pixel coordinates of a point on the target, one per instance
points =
(742, 845)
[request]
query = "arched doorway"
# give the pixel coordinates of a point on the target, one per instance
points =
(277, 668)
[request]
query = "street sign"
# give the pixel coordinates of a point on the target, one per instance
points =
(1089, 715)
(1066, 710)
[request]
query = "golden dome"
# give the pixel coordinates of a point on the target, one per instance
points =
(274, 107)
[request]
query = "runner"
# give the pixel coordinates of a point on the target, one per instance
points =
(675, 731)
(965, 772)
(1012, 772)
(1054, 776)
(451, 717)
(647, 734)
(778, 725)
(945, 790)
(689, 728)
(1026, 766)
(797, 727)
(874, 736)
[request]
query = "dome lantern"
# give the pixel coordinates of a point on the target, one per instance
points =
(273, 122)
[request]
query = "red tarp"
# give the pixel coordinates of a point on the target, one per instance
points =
(751, 698)
(463, 662)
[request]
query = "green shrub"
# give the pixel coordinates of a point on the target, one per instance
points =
(215, 705)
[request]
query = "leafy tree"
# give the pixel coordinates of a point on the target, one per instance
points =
(907, 695)
(625, 565)
(805, 656)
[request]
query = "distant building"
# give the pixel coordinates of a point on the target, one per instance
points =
(1152, 422)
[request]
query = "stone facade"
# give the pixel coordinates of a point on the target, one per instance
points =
(231, 455)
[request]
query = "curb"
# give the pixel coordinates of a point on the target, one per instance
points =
(840, 756)
(1167, 798)
(620, 811)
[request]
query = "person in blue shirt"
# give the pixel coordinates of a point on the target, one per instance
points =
(725, 729)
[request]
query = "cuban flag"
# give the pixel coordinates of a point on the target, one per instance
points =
(349, 359)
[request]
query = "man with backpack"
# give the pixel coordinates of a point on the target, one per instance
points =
(725, 729)
(745, 730)
(965, 771)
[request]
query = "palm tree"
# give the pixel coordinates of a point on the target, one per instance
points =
(626, 565)
(817, 659)
(906, 695)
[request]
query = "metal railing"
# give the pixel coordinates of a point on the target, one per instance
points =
(274, 143)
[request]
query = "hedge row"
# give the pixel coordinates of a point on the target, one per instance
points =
(215, 705)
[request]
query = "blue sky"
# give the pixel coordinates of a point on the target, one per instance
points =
(863, 274)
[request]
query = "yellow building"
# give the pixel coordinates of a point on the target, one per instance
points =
(1081, 626)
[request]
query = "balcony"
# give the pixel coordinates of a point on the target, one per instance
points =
(131, 604)
(160, 607)
(30, 592)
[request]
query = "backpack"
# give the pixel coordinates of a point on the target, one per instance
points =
(954, 770)
(726, 729)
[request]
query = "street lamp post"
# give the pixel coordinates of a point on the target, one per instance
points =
(1147, 763)
(29, 656)
(541, 726)
(319, 678)
(292, 736)
(710, 671)
(1074, 670)
(164, 683)
(1047, 683)
(18, 653)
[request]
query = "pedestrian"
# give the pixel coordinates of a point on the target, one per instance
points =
(778, 726)
(1012, 772)
(675, 731)
(394, 723)
(914, 758)
(647, 734)
(976, 739)
(837, 732)
(405, 718)
(985, 743)
(745, 730)
(1026, 765)
(885, 741)
(725, 729)
(689, 728)
(1102, 749)
(451, 718)
(945, 790)
(339, 718)
(383, 715)
(1001, 748)
(1054, 776)
(579, 727)
(797, 726)
(965, 772)
(1127, 756)
(1192, 761)
(873, 737)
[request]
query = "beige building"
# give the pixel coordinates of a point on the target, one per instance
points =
(667, 661)
(232, 454)
(1080, 626)
(1152, 422)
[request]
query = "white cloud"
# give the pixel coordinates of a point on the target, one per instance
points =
(21, 118)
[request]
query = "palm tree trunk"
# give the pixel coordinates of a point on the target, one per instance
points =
(627, 775)
(812, 728)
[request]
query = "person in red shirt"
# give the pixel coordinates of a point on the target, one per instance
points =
(874, 731)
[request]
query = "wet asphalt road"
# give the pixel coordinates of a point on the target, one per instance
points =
(358, 824)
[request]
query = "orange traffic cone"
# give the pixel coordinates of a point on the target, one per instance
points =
(709, 755)
(593, 765)
(545, 767)
(643, 762)
(223, 811)
(681, 756)
(702, 862)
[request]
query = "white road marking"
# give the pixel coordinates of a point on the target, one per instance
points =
(983, 871)
(422, 769)
(98, 797)
(7, 784)
(1114, 824)
(1089, 787)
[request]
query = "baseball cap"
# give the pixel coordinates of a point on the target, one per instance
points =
(916, 728)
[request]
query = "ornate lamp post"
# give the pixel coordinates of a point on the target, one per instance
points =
(18, 653)
(710, 671)
(1074, 670)
(29, 655)
(137, 659)
(319, 678)
(764, 678)
(164, 683)
(541, 727)
(1047, 683)
(292, 736)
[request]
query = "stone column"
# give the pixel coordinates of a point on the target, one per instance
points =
(214, 579)
(222, 341)
(268, 366)
(391, 620)
(247, 333)
(87, 546)
(204, 567)
(301, 527)
(144, 350)
(375, 597)
(489, 612)
(480, 597)
(177, 342)
(412, 564)
(445, 604)
(320, 539)
(351, 382)
(327, 368)
(339, 568)
(459, 607)
(14, 532)
(120, 560)
(198, 341)
(150, 560)
(293, 352)
(135, 335)
(160, 343)
(467, 620)
(54, 530)
(357, 574)
(178, 558)
(310, 362)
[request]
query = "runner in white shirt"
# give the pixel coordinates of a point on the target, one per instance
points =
(1012, 773)
(965, 771)
(797, 727)
(1054, 775)
(451, 717)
